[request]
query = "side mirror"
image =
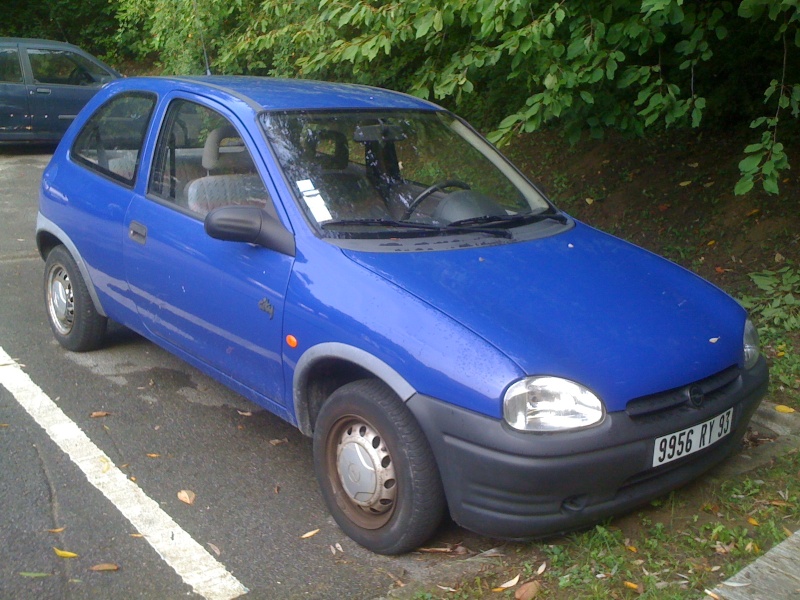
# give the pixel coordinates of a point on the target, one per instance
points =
(249, 224)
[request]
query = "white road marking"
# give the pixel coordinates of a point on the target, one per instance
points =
(190, 560)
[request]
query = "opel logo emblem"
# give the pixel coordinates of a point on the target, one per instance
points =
(696, 396)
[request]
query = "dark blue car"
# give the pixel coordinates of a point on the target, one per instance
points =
(366, 266)
(43, 86)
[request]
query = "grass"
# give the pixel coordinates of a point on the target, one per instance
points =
(687, 542)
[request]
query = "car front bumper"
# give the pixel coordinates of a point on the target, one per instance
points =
(505, 483)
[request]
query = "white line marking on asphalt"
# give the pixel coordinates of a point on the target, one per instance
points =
(191, 561)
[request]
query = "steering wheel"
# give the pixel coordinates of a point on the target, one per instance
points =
(440, 185)
(79, 76)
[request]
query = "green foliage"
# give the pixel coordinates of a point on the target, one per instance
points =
(778, 306)
(88, 23)
(511, 65)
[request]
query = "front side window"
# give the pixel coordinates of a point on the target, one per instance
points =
(10, 71)
(202, 162)
(66, 68)
(111, 140)
(355, 172)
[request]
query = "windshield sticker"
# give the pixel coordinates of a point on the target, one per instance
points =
(314, 201)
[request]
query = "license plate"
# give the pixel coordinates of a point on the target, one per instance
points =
(692, 439)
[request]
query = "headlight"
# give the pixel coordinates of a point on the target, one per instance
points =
(751, 345)
(550, 404)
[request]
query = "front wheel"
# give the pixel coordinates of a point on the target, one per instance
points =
(376, 470)
(73, 317)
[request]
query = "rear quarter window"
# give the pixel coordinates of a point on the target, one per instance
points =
(110, 142)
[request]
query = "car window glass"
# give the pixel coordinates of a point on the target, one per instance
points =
(65, 67)
(10, 71)
(111, 140)
(201, 162)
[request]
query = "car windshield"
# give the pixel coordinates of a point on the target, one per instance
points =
(359, 172)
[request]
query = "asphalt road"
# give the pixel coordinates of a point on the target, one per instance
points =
(166, 428)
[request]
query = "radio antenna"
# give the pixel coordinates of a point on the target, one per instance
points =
(202, 37)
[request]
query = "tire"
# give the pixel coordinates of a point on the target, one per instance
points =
(73, 317)
(389, 498)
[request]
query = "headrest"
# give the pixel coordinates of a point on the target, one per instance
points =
(211, 148)
(336, 161)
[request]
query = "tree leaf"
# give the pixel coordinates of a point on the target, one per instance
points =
(309, 534)
(64, 553)
(98, 414)
(105, 567)
(187, 496)
(782, 408)
(34, 575)
(528, 590)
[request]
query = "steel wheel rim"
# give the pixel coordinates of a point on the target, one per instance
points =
(60, 300)
(362, 472)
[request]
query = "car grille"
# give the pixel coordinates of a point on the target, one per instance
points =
(712, 386)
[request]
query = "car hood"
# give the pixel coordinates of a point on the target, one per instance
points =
(581, 305)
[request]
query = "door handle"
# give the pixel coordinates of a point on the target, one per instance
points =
(137, 232)
(40, 90)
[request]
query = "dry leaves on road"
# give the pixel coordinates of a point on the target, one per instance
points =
(187, 496)
(64, 553)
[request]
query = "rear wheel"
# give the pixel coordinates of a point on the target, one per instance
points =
(73, 317)
(376, 470)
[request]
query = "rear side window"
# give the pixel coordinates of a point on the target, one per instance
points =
(10, 71)
(111, 140)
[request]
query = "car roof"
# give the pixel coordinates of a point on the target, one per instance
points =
(13, 41)
(271, 93)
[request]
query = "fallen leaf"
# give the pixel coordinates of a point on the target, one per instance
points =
(245, 413)
(694, 165)
(752, 521)
(105, 567)
(631, 549)
(216, 550)
(782, 408)
(711, 242)
(714, 340)
(787, 532)
(634, 586)
(589, 201)
(3, 424)
(29, 574)
(509, 583)
(187, 496)
(685, 183)
(720, 270)
(279, 442)
(528, 591)
(277, 489)
(779, 257)
(339, 547)
(445, 588)
(99, 413)
(754, 212)
(541, 568)
(136, 535)
(153, 455)
(663, 207)
(712, 594)
(309, 534)
(736, 583)
(64, 553)
(59, 530)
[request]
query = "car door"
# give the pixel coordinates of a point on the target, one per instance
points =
(219, 302)
(15, 118)
(62, 83)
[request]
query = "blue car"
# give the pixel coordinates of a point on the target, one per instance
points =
(43, 86)
(366, 266)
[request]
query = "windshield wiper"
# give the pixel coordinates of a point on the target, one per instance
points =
(437, 229)
(515, 219)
